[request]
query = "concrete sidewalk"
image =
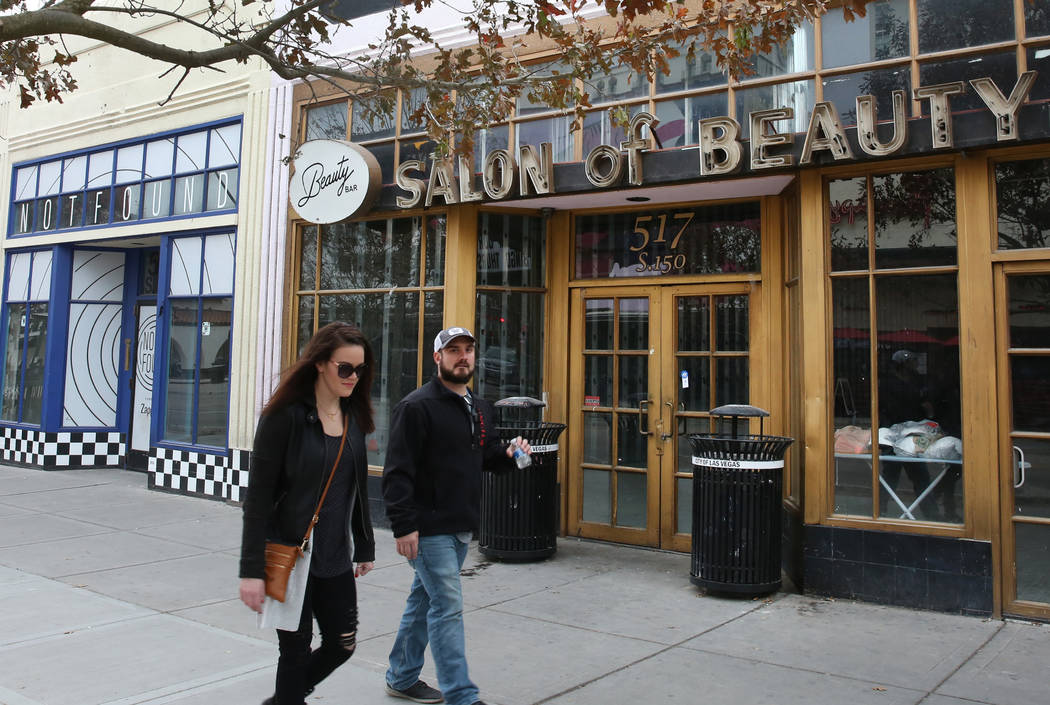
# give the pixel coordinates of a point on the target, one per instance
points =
(116, 594)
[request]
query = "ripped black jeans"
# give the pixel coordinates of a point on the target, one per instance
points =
(333, 601)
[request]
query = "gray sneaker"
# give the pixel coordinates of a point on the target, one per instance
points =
(418, 692)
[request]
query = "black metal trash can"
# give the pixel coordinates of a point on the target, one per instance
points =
(737, 492)
(519, 508)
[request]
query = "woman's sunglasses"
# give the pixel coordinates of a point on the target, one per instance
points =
(345, 369)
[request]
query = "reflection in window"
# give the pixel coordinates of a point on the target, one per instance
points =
(511, 297)
(527, 105)
(199, 331)
(679, 119)
(706, 240)
(689, 72)
(797, 96)
(954, 24)
(1001, 68)
(555, 130)
(842, 90)
(370, 254)
(792, 56)
(488, 140)
(1022, 196)
(881, 34)
(914, 218)
(896, 392)
(371, 275)
(26, 315)
(326, 122)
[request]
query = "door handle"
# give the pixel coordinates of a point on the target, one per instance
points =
(671, 419)
(643, 415)
(1019, 468)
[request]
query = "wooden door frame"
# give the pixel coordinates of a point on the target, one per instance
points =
(1008, 574)
(669, 537)
(661, 454)
(648, 536)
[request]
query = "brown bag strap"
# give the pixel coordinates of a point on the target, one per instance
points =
(338, 457)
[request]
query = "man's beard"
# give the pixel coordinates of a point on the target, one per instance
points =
(455, 375)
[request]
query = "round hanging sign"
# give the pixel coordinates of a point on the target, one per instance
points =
(333, 180)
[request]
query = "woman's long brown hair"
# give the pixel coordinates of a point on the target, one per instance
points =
(297, 382)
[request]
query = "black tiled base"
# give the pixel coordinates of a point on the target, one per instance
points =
(910, 570)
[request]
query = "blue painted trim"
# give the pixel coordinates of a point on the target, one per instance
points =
(112, 186)
(222, 122)
(129, 332)
(160, 359)
(4, 314)
(56, 344)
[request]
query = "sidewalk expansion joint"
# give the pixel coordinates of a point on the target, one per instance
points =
(648, 657)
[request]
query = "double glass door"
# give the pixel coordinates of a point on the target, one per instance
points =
(1024, 436)
(646, 367)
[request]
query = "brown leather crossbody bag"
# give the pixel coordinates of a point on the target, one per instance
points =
(281, 557)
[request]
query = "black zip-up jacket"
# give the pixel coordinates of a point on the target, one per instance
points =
(288, 473)
(432, 477)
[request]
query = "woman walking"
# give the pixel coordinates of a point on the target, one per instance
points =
(322, 396)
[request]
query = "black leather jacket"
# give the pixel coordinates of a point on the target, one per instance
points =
(285, 482)
(434, 461)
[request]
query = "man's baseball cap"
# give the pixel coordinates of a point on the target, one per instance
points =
(446, 336)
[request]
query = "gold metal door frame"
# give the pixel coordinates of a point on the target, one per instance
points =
(1009, 465)
(662, 410)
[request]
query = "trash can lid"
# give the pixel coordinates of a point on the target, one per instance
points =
(521, 402)
(738, 410)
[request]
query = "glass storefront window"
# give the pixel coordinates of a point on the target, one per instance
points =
(706, 240)
(26, 311)
(385, 276)
(1036, 19)
(511, 301)
(529, 106)
(419, 148)
(1022, 190)
(680, 118)
(954, 24)
(327, 122)
(881, 34)
(797, 95)
(489, 140)
(369, 124)
(371, 254)
(848, 222)
(199, 330)
(617, 85)
(556, 130)
(1039, 60)
(842, 90)
(688, 73)
(896, 409)
(793, 56)
(914, 219)
(1000, 67)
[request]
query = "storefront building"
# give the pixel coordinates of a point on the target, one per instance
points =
(762, 249)
(130, 265)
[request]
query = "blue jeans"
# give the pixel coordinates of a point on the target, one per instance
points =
(434, 613)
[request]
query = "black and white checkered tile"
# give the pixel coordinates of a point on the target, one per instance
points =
(196, 473)
(64, 449)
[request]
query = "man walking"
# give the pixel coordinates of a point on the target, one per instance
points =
(441, 439)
